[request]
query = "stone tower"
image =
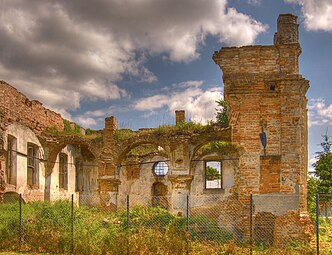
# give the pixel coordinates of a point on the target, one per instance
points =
(265, 92)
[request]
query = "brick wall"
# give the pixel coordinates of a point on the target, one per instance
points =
(265, 90)
(16, 107)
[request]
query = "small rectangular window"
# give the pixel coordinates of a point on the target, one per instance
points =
(63, 171)
(33, 166)
(213, 175)
(11, 160)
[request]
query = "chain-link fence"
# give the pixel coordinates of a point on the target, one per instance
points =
(323, 223)
(178, 224)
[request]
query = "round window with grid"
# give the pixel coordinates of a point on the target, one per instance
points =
(160, 168)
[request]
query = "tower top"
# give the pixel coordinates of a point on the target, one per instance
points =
(287, 30)
(265, 61)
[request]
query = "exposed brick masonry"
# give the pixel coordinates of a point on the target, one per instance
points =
(29, 113)
(265, 90)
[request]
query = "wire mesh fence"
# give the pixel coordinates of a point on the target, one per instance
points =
(77, 224)
(323, 223)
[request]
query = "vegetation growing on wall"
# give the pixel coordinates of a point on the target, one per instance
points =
(67, 129)
(219, 147)
(124, 134)
(183, 128)
(222, 113)
(143, 150)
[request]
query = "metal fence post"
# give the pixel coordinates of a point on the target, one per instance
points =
(128, 223)
(128, 212)
(250, 223)
(187, 224)
(21, 222)
(317, 223)
(72, 223)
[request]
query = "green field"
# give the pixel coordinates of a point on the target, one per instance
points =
(153, 231)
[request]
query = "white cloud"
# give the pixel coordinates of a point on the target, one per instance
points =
(254, 2)
(199, 104)
(92, 89)
(94, 118)
(85, 122)
(312, 160)
(319, 113)
(317, 13)
(63, 52)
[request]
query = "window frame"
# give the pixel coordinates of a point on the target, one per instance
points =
(11, 166)
(33, 165)
(220, 173)
(63, 171)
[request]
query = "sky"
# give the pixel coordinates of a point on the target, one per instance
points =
(140, 60)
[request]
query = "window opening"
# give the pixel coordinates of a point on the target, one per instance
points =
(213, 175)
(11, 160)
(33, 166)
(160, 168)
(159, 195)
(63, 171)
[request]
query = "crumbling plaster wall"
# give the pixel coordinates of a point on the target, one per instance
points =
(24, 135)
(229, 169)
(81, 161)
(178, 148)
(15, 107)
(53, 180)
(140, 186)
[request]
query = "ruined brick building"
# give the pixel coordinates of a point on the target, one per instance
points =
(265, 94)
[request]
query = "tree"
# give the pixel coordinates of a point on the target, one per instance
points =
(313, 183)
(211, 173)
(222, 113)
(323, 167)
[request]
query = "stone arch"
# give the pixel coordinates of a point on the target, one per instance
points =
(125, 148)
(216, 145)
(216, 148)
(132, 162)
(55, 145)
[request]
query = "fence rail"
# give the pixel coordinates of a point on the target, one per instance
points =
(159, 225)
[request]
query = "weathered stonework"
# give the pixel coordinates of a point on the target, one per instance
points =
(265, 93)
(16, 107)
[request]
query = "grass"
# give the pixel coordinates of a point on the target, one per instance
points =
(325, 229)
(184, 128)
(47, 230)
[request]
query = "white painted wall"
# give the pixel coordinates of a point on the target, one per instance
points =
(49, 185)
(24, 136)
(88, 175)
